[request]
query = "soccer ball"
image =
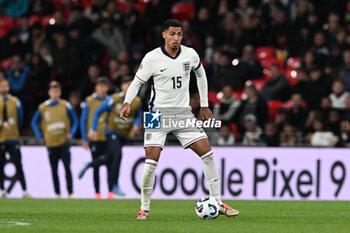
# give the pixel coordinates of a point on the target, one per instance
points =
(207, 208)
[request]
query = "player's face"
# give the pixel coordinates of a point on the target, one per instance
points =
(173, 37)
(4, 88)
(102, 89)
(55, 93)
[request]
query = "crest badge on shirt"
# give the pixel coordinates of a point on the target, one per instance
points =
(187, 67)
(148, 136)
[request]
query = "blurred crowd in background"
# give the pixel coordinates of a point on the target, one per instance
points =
(278, 70)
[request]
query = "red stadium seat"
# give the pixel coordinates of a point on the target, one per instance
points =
(289, 104)
(212, 97)
(46, 20)
(183, 11)
(293, 63)
(258, 83)
(3, 32)
(141, 6)
(272, 106)
(34, 19)
(291, 75)
(86, 3)
(6, 24)
(5, 64)
(234, 129)
(267, 62)
(238, 94)
(264, 52)
(105, 59)
(57, 4)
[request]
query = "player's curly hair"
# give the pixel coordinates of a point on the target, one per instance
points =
(172, 23)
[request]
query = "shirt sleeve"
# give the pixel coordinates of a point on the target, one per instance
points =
(107, 105)
(145, 71)
(143, 74)
(202, 82)
(73, 118)
(196, 61)
(35, 120)
(83, 120)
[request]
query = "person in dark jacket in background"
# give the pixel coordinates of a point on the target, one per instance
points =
(254, 104)
(225, 74)
(317, 88)
(18, 76)
(65, 64)
(109, 36)
(297, 115)
(89, 50)
(87, 85)
(40, 78)
(228, 106)
(249, 67)
(270, 136)
(276, 88)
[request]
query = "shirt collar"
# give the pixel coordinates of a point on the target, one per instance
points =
(167, 54)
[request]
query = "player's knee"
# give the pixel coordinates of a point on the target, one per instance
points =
(201, 147)
(153, 153)
(207, 155)
(150, 167)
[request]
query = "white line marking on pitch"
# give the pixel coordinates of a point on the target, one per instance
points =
(13, 223)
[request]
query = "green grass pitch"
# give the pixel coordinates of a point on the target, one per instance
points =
(85, 216)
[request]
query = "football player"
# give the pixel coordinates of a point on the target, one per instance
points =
(168, 67)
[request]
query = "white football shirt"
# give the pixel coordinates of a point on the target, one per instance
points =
(169, 76)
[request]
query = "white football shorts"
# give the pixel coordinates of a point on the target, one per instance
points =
(185, 136)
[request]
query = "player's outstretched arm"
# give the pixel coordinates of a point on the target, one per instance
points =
(202, 85)
(132, 91)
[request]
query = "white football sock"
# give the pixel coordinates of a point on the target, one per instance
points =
(148, 179)
(211, 175)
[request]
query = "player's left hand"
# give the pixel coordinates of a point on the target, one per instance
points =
(205, 113)
(69, 136)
